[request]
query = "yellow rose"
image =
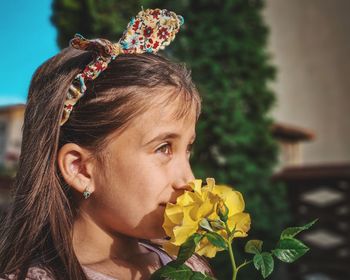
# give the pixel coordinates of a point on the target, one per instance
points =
(196, 211)
(182, 219)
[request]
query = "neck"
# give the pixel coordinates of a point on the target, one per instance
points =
(94, 244)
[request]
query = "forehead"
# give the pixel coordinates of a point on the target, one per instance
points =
(153, 123)
(180, 103)
(165, 116)
(166, 111)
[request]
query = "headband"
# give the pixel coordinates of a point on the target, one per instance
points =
(148, 32)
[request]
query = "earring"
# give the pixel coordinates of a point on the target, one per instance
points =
(86, 193)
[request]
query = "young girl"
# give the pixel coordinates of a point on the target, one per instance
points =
(107, 138)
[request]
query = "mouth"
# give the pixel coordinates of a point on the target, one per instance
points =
(164, 204)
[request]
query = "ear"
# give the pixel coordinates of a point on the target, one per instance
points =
(76, 167)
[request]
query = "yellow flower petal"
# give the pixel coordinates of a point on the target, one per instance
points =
(181, 233)
(196, 185)
(205, 248)
(170, 222)
(186, 198)
(210, 183)
(204, 208)
(241, 222)
(174, 213)
(233, 199)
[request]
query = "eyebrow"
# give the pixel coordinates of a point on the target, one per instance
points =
(166, 135)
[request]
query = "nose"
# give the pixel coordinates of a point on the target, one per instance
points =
(183, 175)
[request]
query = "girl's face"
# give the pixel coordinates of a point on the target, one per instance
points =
(147, 166)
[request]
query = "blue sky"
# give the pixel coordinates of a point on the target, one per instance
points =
(27, 39)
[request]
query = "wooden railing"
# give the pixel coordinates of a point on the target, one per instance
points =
(321, 192)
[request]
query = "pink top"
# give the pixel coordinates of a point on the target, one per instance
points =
(94, 275)
(36, 273)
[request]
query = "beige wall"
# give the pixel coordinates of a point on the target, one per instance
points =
(12, 118)
(310, 45)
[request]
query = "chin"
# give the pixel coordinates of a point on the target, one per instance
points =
(151, 228)
(154, 232)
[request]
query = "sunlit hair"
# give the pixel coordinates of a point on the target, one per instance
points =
(38, 228)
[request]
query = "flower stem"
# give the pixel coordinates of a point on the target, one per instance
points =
(230, 250)
(243, 264)
(233, 262)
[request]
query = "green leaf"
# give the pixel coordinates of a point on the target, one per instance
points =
(253, 246)
(216, 239)
(200, 276)
(264, 262)
(293, 231)
(173, 271)
(290, 249)
(187, 249)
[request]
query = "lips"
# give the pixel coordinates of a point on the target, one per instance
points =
(165, 203)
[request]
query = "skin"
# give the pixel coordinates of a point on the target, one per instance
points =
(147, 166)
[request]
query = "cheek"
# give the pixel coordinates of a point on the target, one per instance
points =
(135, 213)
(145, 175)
(141, 178)
(129, 198)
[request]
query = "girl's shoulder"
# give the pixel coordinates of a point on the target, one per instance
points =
(195, 262)
(34, 273)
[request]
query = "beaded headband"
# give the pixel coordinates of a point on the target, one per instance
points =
(150, 31)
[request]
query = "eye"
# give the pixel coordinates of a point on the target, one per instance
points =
(165, 149)
(190, 150)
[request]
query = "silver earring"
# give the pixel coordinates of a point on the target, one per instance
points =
(86, 193)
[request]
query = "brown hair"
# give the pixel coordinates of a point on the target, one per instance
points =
(37, 230)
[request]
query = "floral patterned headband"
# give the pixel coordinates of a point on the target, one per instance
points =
(150, 31)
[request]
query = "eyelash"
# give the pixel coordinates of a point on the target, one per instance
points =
(168, 145)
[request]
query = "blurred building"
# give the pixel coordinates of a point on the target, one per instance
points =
(309, 43)
(11, 121)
